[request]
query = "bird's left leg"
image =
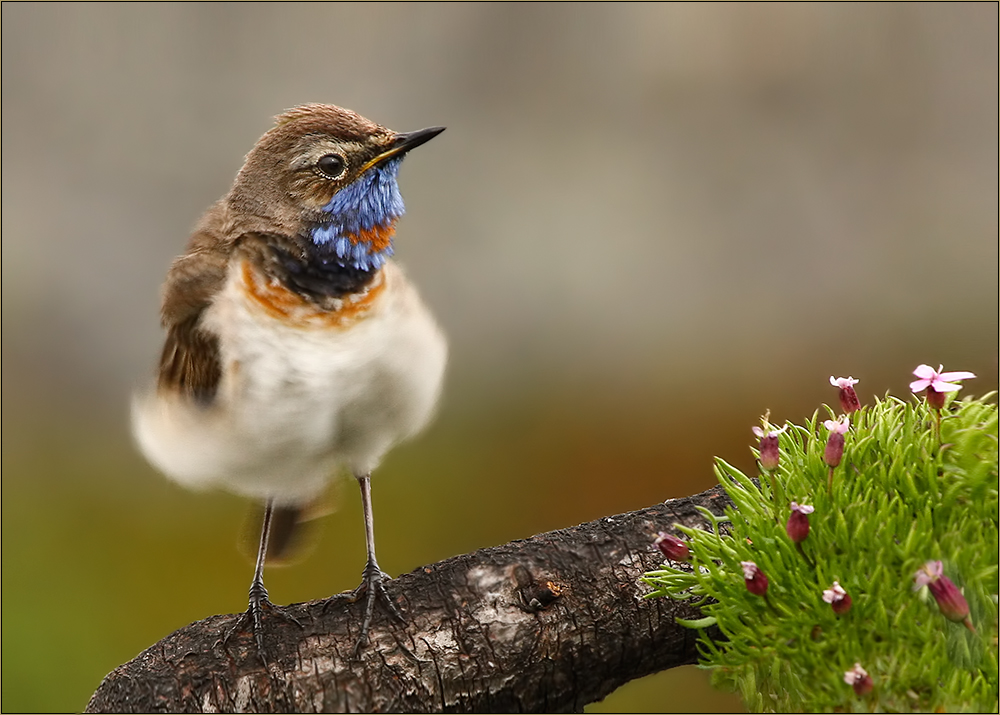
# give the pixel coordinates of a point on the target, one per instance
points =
(258, 593)
(372, 584)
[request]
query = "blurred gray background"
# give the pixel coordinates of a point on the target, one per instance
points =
(645, 225)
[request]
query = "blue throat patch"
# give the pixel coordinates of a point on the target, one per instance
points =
(371, 201)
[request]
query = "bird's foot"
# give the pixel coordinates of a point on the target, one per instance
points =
(372, 587)
(253, 618)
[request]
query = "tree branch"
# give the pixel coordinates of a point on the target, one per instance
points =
(549, 624)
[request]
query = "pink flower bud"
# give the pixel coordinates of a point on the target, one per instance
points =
(798, 522)
(672, 547)
(936, 399)
(858, 678)
(834, 451)
(848, 397)
(754, 578)
(950, 600)
(770, 456)
(838, 598)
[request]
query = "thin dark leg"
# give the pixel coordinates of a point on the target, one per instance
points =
(253, 617)
(258, 594)
(372, 584)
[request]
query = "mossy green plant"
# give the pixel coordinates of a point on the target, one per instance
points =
(914, 485)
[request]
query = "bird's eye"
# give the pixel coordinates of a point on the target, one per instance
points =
(332, 166)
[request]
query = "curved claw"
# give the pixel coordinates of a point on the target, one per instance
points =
(373, 586)
(253, 618)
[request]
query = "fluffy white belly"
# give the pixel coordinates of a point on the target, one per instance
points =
(297, 402)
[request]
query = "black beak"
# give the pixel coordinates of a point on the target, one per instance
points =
(411, 140)
(402, 143)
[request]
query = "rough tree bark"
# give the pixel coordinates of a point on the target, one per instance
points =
(546, 624)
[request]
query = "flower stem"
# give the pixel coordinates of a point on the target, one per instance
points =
(801, 551)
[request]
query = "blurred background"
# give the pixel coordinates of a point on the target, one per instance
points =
(645, 226)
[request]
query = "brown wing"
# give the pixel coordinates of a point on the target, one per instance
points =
(190, 360)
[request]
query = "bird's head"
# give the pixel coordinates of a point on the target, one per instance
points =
(327, 176)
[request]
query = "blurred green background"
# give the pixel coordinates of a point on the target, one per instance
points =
(645, 225)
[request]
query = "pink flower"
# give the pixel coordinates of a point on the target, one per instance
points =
(858, 678)
(754, 578)
(938, 382)
(672, 547)
(848, 397)
(769, 454)
(950, 600)
(838, 598)
(929, 572)
(834, 451)
(797, 527)
(839, 426)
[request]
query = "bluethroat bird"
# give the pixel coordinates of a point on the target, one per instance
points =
(295, 346)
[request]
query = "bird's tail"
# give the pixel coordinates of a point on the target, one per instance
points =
(293, 531)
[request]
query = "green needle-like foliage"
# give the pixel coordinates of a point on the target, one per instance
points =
(908, 490)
